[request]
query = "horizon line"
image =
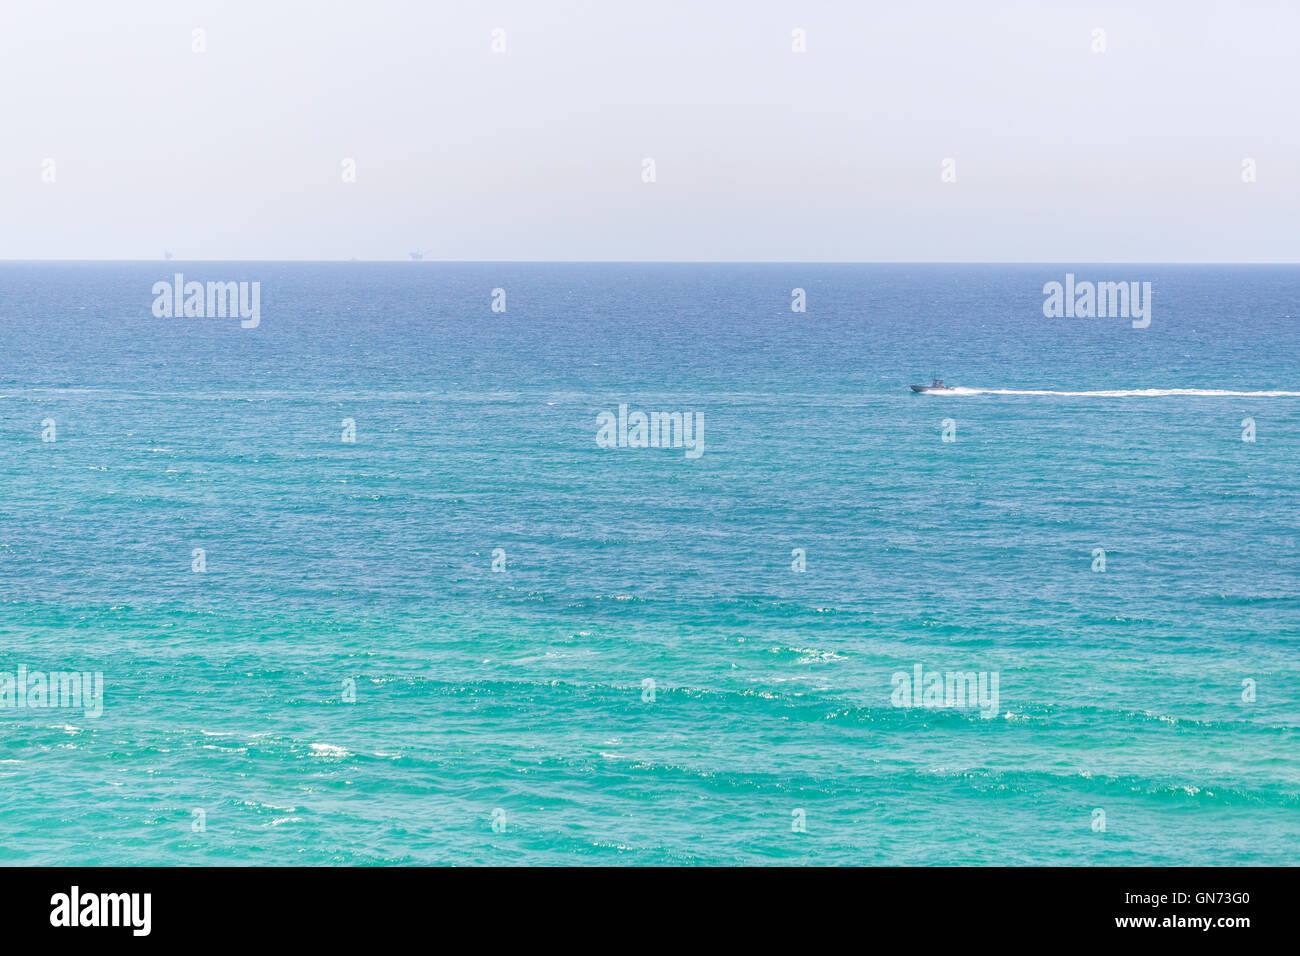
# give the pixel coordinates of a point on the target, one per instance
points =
(702, 262)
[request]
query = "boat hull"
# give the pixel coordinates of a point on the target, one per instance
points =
(931, 388)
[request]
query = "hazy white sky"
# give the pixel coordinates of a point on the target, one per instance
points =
(1062, 154)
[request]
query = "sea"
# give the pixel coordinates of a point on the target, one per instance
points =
(362, 584)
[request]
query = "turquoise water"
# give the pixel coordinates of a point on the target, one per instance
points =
(523, 691)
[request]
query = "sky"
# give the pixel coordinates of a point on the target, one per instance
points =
(118, 140)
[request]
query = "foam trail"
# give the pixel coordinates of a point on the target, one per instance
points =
(1124, 393)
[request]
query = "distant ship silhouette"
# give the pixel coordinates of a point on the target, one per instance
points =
(417, 256)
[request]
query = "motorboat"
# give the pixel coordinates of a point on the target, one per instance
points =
(936, 385)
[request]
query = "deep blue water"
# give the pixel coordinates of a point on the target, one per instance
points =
(524, 691)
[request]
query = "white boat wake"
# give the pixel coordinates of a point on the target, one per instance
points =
(1122, 393)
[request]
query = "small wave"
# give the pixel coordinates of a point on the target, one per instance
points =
(806, 655)
(328, 750)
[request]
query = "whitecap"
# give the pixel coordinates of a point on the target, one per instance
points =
(329, 750)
